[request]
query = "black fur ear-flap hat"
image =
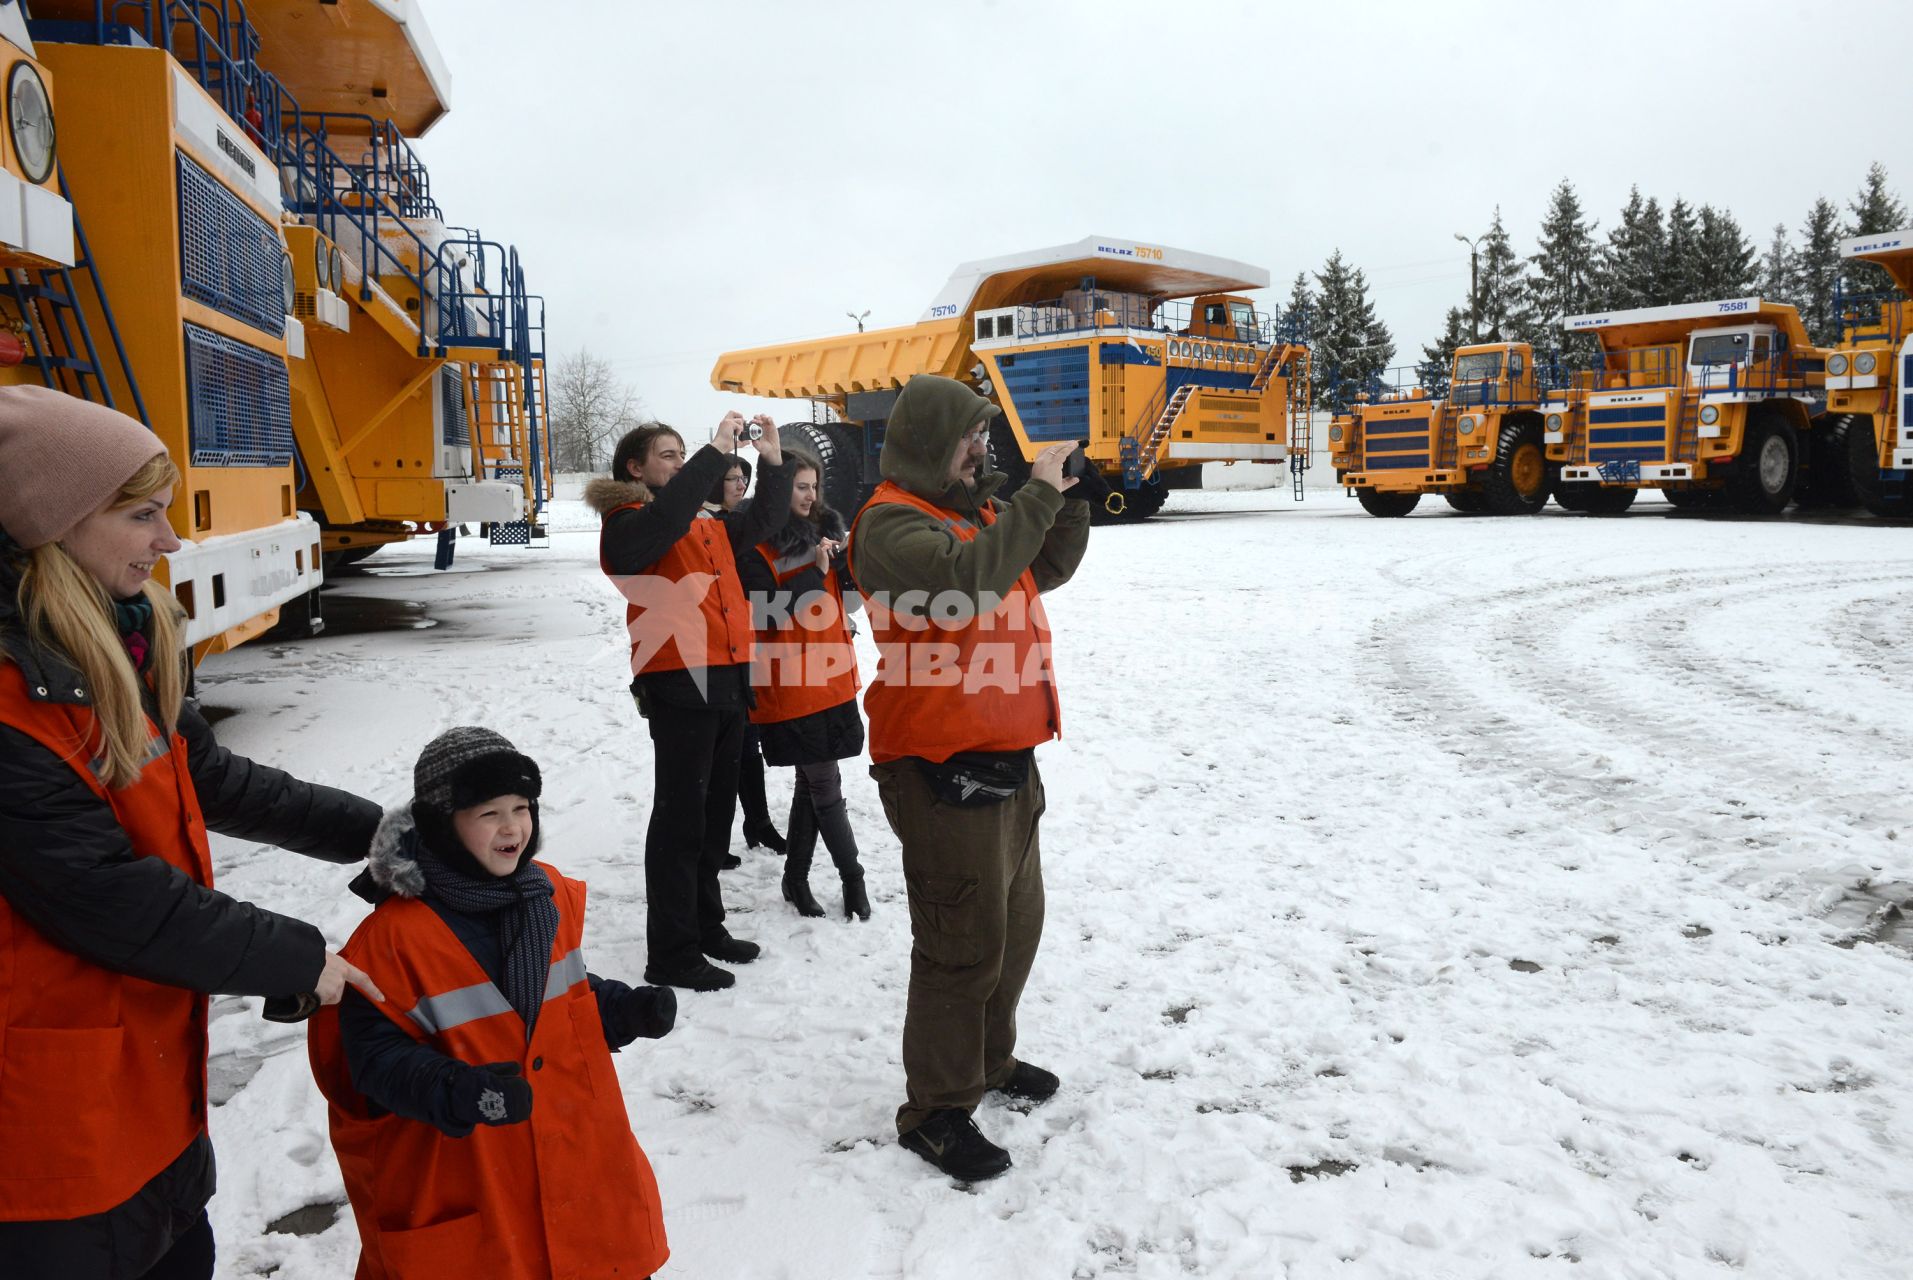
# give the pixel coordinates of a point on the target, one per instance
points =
(464, 766)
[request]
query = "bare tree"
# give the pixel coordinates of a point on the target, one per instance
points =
(590, 408)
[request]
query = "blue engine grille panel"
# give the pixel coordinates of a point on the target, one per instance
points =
(229, 257)
(451, 395)
(1050, 390)
(238, 403)
(1395, 444)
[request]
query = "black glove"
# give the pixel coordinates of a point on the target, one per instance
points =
(650, 1012)
(492, 1094)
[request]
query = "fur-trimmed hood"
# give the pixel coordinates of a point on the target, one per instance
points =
(606, 494)
(392, 861)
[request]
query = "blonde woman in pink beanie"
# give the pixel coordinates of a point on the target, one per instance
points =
(111, 934)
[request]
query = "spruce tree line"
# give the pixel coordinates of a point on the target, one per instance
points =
(1653, 256)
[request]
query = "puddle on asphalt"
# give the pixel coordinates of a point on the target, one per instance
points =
(307, 1220)
(350, 615)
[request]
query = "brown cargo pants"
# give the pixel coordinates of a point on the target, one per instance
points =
(975, 879)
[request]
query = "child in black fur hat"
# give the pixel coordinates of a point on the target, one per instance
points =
(482, 1091)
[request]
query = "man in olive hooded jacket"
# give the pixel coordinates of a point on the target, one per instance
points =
(953, 756)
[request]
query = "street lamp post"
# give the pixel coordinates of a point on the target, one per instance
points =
(858, 318)
(1474, 287)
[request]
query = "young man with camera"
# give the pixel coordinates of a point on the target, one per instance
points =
(963, 695)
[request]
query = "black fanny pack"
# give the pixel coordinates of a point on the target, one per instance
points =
(973, 779)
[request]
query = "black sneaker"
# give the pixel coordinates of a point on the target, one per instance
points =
(730, 950)
(951, 1141)
(699, 976)
(1031, 1083)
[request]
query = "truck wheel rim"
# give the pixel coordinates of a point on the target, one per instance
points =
(1774, 465)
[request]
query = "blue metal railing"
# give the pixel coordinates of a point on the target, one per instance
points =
(1090, 311)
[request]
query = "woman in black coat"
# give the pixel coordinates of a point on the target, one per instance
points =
(806, 682)
(111, 934)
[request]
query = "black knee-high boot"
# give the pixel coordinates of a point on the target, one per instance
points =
(750, 798)
(833, 821)
(803, 843)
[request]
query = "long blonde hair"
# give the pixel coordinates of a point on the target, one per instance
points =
(67, 610)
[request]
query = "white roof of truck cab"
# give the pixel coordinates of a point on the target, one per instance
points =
(1721, 308)
(1880, 242)
(1119, 264)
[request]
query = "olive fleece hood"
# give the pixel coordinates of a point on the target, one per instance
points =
(925, 424)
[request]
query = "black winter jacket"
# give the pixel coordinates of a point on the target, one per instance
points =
(67, 869)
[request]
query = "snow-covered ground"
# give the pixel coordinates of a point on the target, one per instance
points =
(1441, 897)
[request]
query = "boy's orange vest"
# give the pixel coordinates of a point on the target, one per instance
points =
(803, 667)
(567, 1194)
(726, 618)
(985, 685)
(102, 1075)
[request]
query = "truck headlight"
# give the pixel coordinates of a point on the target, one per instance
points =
(30, 122)
(1836, 365)
(338, 270)
(287, 289)
(1709, 415)
(1335, 435)
(1554, 422)
(321, 264)
(1864, 362)
(1467, 424)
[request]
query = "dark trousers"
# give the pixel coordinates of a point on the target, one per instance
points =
(750, 781)
(190, 1258)
(975, 880)
(695, 756)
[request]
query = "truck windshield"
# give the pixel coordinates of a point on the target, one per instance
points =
(1719, 348)
(1479, 367)
(1244, 317)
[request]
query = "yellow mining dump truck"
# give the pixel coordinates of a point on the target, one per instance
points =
(1870, 381)
(140, 230)
(1150, 355)
(251, 263)
(1713, 403)
(1480, 445)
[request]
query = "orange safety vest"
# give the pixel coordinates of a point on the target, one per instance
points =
(102, 1075)
(804, 662)
(567, 1194)
(667, 610)
(945, 687)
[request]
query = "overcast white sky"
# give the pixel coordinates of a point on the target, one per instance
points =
(685, 179)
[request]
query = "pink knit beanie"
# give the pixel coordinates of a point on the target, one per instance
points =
(61, 458)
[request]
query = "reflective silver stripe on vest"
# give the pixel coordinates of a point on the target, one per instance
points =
(954, 523)
(796, 561)
(434, 1014)
(566, 972)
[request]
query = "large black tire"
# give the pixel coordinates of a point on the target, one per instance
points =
(842, 478)
(1137, 504)
(1007, 456)
(1387, 505)
(1863, 470)
(1591, 498)
(1826, 479)
(300, 618)
(1466, 501)
(1760, 482)
(1516, 483)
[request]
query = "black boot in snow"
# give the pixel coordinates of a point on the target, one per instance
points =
(758, 829)
(803, 843)
(834, 823)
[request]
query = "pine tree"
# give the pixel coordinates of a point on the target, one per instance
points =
(1506, 314)
(1563, 283)
(1299, 313)
(1875, 209)
(1678, 279)
(1777, 280)
(1350, 345)
(1817, 268)
(1723, 257)
(1438, 361)
(1631, 262)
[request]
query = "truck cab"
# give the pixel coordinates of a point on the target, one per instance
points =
(1869, 426)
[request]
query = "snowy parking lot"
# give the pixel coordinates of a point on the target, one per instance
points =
(1439, 897)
